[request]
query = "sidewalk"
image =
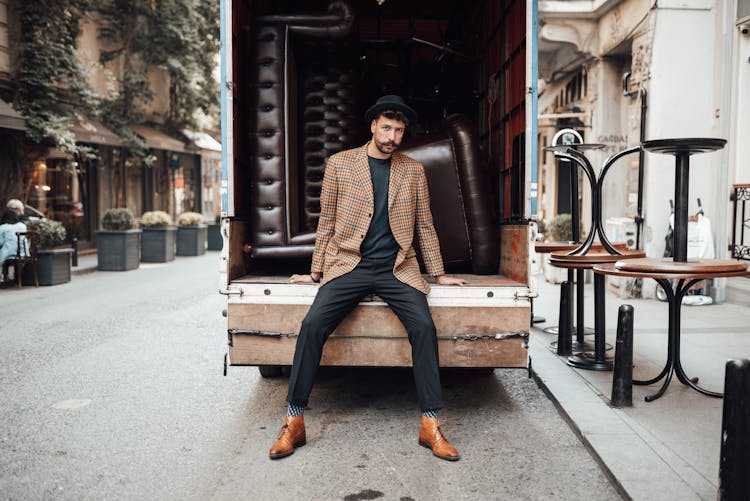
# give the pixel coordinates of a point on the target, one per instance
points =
(87, 263)
(667, 449)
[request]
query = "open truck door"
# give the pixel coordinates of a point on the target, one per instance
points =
(297, 77)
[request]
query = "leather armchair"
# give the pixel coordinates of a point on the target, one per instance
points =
(459, 196)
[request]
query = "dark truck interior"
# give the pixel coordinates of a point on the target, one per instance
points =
(306, 71)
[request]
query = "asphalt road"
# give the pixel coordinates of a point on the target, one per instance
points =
(111, 387)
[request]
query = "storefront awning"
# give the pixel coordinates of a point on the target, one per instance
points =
(203, 141)
(10, 118)
(157, 139)
(92, 131)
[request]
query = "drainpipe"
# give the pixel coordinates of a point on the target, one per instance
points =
(641, 158)
(641, 154)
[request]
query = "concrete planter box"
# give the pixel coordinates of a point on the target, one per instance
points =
(118, 250)
(214, 237)
(191, 240)
(53, 267)
(158, 245)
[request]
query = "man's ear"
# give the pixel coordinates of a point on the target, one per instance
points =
(373, 125)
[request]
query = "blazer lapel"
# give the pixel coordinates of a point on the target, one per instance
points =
(361, 170)
(397, 173)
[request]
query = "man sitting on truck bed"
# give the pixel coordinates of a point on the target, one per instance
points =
(372, 202)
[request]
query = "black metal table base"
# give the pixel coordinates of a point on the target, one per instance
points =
(674, 363)
(597, 361)
(578, 347)
(590, 361)
(555, 329)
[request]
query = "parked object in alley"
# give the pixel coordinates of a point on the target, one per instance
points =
(734, 482)
(53, 258)
(213, 235)
(191, 234)
(118, 244)
(159, 237)
(622, 381)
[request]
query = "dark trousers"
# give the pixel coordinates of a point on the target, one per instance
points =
(339, 297)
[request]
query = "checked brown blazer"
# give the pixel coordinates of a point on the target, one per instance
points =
(346, 207)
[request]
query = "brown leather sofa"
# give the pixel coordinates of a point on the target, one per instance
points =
(459, 197)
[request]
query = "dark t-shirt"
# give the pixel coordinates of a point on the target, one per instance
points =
(379, 242)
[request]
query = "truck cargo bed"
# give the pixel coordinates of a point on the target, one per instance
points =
(482, 324)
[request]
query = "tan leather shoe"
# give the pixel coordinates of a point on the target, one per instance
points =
(292, 435)
(431, 436)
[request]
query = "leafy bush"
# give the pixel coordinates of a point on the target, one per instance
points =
(190, 219)
(51, 233)
(118, 219)
(541, 227)
(561, 228)
(155, 219)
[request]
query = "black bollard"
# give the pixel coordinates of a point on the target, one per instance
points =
(75, 252)
(565, 321)
(622, 380)
(734, 464)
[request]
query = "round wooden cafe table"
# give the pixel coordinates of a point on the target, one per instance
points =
(597, 360)
(579, 343)
(685, 275)
(585, 256)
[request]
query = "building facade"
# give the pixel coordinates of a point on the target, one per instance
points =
(77, 189)
(620, 71)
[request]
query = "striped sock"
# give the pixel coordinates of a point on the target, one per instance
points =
(430, 413)
(295, 410)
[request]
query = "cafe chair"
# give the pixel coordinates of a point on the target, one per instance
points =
(26, 255)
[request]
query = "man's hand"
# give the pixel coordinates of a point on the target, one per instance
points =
(312, 278)
(446, 280)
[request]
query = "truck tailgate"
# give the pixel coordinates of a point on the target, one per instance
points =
(482, 324)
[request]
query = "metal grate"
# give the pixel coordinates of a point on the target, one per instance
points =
(740, 246)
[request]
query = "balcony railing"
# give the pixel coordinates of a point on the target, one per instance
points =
(740, 245)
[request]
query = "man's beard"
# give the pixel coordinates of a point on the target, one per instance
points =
(386, 148)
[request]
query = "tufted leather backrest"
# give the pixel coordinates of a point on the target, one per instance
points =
(268, 139)
(330, 124)
(295, 126)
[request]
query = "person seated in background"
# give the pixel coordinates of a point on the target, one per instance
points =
(9, 226)
(17, 205)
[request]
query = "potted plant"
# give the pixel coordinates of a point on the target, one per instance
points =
(53, 257)
(560, 229)
(214, 235)
(159, 237)
(191, 234)
(118, 244)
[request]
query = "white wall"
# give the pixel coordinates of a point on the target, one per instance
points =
(610, 127)
(682, 103)
(741, 136)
